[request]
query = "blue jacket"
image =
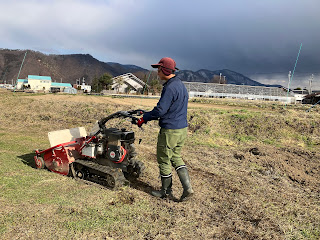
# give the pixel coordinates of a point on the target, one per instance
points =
(171, 109)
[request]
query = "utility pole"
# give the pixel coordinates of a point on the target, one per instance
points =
(289, 75)
(310, 84)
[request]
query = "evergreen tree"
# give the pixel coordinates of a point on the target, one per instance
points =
(102, 83)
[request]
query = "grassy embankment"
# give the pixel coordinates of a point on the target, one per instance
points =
(255, 168)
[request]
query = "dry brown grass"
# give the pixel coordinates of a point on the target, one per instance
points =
(255, 170)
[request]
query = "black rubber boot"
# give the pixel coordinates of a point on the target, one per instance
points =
(166, 189)
(186, 184)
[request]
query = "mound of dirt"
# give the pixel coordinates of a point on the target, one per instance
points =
(299, 165)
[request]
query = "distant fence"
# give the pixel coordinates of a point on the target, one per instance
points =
(196, 89)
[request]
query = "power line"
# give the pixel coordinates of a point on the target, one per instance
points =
(21, 65)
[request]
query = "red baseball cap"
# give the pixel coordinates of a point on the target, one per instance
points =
(168, 65)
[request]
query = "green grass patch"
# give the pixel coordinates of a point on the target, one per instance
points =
(273, 142)
(245, 138)
(313, 234)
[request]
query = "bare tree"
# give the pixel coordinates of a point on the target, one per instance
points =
(219, 79)
(119, 82)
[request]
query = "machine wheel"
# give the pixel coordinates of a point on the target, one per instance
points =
(78, 171)
(132, 151)
(110, 181)
(39, 162)
(80, 174)
(134, 170)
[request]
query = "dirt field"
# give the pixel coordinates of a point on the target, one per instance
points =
(123, 101)
(255, 168)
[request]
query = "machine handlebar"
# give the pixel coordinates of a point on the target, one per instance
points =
(122, 114)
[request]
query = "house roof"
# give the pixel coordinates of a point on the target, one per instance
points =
(22, 80)
(56, 84)
(39, 77)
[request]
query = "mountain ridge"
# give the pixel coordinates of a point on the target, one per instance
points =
(70, 67)
(232, 77)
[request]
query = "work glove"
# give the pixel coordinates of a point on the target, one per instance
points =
(140, 122)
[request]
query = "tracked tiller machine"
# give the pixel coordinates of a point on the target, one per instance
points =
(106, 156)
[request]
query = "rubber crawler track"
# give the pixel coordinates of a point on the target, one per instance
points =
(114, 175)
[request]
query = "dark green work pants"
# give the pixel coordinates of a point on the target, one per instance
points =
(170, 143)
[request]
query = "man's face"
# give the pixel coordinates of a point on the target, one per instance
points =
(161, 74)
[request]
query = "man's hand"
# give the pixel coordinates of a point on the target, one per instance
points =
(140, 122)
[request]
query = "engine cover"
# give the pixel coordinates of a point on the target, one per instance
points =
(114, 134)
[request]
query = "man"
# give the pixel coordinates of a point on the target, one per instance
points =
(171, 111)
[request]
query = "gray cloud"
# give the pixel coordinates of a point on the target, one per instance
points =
(299, 80)
(247, 36)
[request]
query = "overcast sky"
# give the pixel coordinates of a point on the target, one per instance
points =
(252, 37)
